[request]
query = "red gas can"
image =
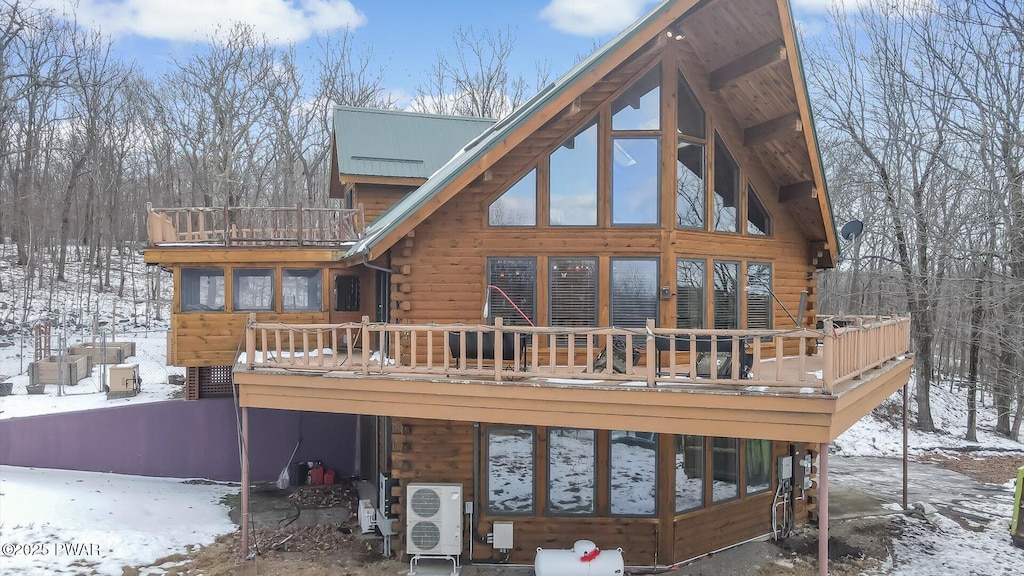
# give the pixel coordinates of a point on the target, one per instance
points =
(329, 476)
(316, 475)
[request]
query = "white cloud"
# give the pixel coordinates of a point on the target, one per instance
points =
(280, 20)
(593, 17)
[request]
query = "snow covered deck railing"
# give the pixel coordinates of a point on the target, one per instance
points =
(254, 226)
(755, 360)
(862, 343)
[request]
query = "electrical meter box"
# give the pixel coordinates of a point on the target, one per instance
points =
(785, 468)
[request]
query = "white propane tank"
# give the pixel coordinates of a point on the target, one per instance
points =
(585, 559)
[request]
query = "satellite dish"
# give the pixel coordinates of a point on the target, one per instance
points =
(852, 229)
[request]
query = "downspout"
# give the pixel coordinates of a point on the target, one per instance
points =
(366, 262)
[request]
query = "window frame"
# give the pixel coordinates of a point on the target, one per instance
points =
(657, 484)
(319, 281)
(551, 260)
(712, 225)
(704, 473)
(703, 227)
(596, 122)
(219, 272)
(487, 470)
(547, 493)
(534, 169)
(611, 283)
(753, 195)
(656, 138)
(746, 295)
(712, 315)
(488, 282)
(746, 467)
(703, 291)
(240, 272)
(740, 471)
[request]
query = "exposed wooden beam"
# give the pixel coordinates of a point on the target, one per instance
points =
(772, 129)
(791, 192)
(766, 55)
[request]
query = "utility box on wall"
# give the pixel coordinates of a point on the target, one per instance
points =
(123, 381)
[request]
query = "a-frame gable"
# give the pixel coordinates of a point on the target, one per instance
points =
(797, 181)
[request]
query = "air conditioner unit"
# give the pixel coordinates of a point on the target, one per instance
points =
(433, 519)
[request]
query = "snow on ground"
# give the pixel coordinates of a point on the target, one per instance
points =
(150, 355)
(874, 436)
(64, 522)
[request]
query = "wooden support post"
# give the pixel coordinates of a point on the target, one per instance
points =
(298, 223)
(823, 509)
(245, 483)
(652, 355)
(227, 225)
(366, 346)
(250, 341)
(499, 355)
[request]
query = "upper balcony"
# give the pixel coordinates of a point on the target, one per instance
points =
(254, 226)
(804, 385)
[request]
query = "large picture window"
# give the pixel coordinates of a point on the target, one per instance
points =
(518, 205)
(635, 180)
(510, 471)
(690, 294)
(572, 469)
(253, 289)
(726, 307)
(512, 290)
(759, 222)
(572, 292)
(759, 298)
(634, 292)
(634, 473)
(727, 189)
(301, 290)
(202, 289)
(689, 472)
(639, 108)
(759, 466)
(725, 466)
(573, 180)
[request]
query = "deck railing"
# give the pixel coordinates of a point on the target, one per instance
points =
(648, 356)
(254, 226)
(855, 344)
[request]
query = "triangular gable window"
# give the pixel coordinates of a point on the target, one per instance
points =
(518, 205)
(758, 221)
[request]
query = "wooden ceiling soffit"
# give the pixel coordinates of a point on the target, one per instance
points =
(797, 191)
(771, 53)
(772, 129)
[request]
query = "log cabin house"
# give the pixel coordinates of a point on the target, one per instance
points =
(596, 316)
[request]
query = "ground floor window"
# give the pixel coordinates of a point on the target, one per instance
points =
(253, 289)
(510, 470)
(572, 470)
(301, 290)
(202, 289)
(634, 473)
(689, 472)
(759, 466)
(725, 466)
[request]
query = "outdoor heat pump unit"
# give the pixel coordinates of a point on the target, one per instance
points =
(433, 522)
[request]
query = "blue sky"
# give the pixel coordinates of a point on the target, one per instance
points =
(405, 35)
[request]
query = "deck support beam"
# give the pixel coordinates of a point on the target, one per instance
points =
(245, 483)
(906, 471)
(823, 509)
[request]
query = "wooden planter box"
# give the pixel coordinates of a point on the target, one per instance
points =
(113, 353)
(67, 370)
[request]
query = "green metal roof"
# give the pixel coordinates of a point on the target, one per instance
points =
(476, 149)
(388, 143)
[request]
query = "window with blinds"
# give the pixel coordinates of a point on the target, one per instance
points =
(634, 292)
(689, 294)
(572, 292)
(759, 298)
(514, 294)
(726, 309)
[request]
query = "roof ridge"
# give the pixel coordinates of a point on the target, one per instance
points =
(425, 115)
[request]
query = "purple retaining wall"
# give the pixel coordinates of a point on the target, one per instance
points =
(178, 438)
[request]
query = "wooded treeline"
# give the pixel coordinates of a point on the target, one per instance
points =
(919, 109)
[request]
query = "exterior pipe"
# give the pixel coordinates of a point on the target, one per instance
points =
(366, 262)
(823, 509)
(245, 483)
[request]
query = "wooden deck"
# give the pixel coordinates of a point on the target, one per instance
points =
(782, 394)
(254, 226)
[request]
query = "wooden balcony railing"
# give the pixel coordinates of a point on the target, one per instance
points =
(254, 226)
(650, 356)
